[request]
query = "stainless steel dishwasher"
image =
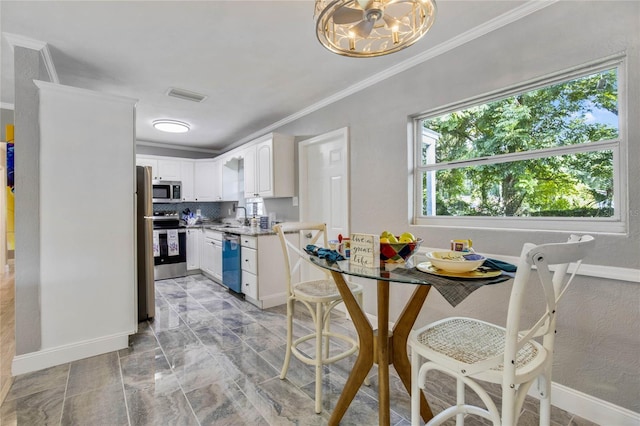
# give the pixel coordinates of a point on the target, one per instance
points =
(231, 272)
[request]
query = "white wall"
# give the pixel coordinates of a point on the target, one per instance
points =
(599, 326)
(87, 236)
(27, 199)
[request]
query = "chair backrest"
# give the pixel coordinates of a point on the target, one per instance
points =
(294, 256)
(544, 258)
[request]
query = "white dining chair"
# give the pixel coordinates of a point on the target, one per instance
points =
(471, 350)
(319, 296)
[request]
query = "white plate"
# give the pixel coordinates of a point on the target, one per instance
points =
(430, 269)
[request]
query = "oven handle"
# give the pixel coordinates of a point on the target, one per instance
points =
(164, 231)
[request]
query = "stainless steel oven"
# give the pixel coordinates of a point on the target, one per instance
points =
(167, 191)
(169, 248)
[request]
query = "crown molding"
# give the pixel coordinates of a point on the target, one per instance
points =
(498, 22)
(29, 43)
(177, 147)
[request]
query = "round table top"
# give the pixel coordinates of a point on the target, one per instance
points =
(383, 273)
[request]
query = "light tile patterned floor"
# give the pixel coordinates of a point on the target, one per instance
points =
(209, 358)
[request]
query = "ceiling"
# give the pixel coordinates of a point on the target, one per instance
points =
(258, 63)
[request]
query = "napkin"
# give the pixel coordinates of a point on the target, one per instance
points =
(499, 264)
(323, 253)
(172, 242)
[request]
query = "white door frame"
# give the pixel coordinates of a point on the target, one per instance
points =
(339, 139)
(342, 135)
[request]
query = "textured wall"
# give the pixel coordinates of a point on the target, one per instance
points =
(599, 325)
(28, 67)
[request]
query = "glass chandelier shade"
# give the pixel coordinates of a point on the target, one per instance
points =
(367, 28)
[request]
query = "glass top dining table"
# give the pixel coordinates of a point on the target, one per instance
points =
(393, 272)
(383, 346)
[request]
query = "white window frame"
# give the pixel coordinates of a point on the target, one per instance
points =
(617, 224)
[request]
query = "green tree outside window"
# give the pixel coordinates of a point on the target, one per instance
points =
(531, 154)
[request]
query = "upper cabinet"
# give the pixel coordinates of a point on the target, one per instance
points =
(161, 169)
(169, 170)
(148, 162)
(249, 159)
(261, 168)
(231, 174)
(269, 167)
(187, 177)
(207, 180)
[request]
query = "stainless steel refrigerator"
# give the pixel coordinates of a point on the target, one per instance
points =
(144, 226)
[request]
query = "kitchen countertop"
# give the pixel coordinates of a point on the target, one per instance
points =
(241, 230)
(231, 229)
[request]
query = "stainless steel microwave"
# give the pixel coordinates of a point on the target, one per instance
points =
(165, 191)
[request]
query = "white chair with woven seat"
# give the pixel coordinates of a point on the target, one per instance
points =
(319, 296)
(471, 350)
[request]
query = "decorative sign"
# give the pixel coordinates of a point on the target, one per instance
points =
(365, 250)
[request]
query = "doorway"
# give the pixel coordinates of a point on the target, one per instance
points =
(324, 182)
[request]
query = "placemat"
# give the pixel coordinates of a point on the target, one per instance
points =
(453, 290)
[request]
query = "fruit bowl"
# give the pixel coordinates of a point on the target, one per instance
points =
(455, 261)
(398, 252)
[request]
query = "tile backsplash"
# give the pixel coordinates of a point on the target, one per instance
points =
(208, 210)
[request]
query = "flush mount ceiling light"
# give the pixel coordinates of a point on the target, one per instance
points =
(171, 126)
(367, 28)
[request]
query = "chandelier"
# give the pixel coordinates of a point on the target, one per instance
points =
(367, 28)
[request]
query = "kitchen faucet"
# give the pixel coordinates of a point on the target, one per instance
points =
(245, 221)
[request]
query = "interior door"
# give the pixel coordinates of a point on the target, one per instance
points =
(324, 183)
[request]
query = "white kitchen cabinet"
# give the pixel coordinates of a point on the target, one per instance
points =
(269, 167)
(231, 170)
(162, 168)
(211, 255)
(249, 265)
(148, 162)
(193, 248)
(207, 180)
(249, 156)
(187, 179)
(263, 275)
(168, 170)
(206, 256)
(217, 259)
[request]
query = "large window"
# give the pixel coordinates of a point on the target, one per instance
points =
(544, 155)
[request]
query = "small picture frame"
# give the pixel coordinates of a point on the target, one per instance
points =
(365, 250)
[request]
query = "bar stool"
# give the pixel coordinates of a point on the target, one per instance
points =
(319, 296)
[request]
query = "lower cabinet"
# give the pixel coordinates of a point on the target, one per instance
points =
(211, 254)
(264, 281)
(193, 248)
(249, 265)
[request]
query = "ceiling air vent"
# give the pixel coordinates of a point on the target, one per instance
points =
(186, 95)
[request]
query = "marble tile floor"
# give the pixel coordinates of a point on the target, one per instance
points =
(209, 358)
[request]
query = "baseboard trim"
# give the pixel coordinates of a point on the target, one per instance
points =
(46, 358)
(273, 300)
(591, 408)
